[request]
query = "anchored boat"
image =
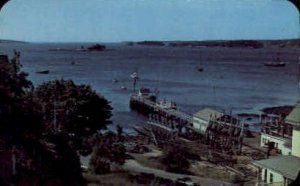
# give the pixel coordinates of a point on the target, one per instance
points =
(275, 64)
(43, 72)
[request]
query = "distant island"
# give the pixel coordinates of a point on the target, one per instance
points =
(96, 47)
(222, 43)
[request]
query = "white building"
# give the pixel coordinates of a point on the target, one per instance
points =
(201, 119)
(281, 144)
(276, 136)
(282, 170)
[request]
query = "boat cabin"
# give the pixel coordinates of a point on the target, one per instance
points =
(144, 92)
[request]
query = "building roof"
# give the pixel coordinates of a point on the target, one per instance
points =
(206, 113)
(294, 117)
(288, 166)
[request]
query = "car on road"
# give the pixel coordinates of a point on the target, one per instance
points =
(186, 181)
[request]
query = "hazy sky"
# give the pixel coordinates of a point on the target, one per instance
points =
(124, 20)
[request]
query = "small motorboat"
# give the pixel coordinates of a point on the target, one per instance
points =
(123, 87)
(43, 72)
(200, 69)
(275, 64)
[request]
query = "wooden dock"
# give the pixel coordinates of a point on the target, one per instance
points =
(149, 107)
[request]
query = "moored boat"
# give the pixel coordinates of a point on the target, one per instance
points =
(43, 72)
(123, 87)
(200, 68)
(275, 64)
(96, 47)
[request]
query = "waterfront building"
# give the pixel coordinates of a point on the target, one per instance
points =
(202, 119)
(276, 136)
(283, 169)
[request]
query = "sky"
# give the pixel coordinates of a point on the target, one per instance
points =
(138, 20)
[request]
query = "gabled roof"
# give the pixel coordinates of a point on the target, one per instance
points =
(288, 166)
(206, 113)
(294, 117)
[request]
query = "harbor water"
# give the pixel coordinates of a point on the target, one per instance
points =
(233, 80)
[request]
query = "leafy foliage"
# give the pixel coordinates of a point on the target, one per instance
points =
(16, 116)
(48, 160)
(74, 110)
(108, 150)
(27, 119)
(13, 82)
(176, 159)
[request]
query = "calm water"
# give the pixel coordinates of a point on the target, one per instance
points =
(233, 78)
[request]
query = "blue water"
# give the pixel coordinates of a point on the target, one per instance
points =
(234, 79)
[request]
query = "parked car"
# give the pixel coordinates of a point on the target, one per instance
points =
(186, 181)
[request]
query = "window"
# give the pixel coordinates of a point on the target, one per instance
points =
(271, 178)
(265, 175)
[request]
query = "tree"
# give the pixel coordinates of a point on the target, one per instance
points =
(43, 157)
(108, 151)
(176, 159)
(2, 3)
(16, 115)
(74, 110)
(48, 161)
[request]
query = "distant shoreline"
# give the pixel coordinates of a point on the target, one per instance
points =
(11, 41)
(250, 43)
(221, 43)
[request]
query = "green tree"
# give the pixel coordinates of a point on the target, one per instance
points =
(74, 110)
(176, 159)
(16, 115)
(108, 151)
(44, 158)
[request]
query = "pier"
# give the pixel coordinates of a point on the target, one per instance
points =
(160, 114)
(222, 133)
